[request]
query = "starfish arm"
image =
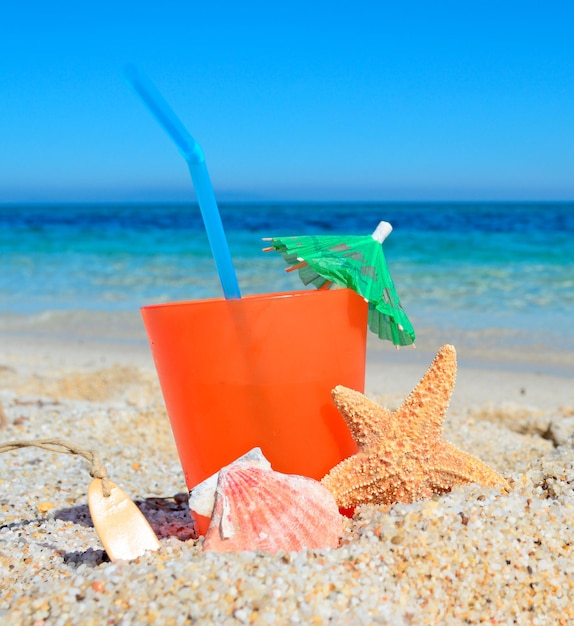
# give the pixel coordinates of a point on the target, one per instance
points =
(357, 480)
(367, 421)
(423, 412)
(449, 466)
(402, 456)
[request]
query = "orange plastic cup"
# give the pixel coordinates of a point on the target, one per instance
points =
(258, 371)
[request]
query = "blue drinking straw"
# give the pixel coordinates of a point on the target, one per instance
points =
(193, 154)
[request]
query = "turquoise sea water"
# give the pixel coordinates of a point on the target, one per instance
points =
(472, 265)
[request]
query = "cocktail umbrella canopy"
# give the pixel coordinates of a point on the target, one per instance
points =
(356, 262)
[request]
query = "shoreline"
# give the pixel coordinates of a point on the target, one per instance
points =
(494, 365)
(509, 347)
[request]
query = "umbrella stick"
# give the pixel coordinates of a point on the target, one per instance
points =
(298, 266)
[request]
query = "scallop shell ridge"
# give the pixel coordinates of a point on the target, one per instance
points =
(260, 509)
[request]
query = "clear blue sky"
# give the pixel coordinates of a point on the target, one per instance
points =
(290, 100)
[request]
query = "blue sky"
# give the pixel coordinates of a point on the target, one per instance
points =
(367, 100)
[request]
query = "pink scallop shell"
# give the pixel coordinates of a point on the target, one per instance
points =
(260, 509)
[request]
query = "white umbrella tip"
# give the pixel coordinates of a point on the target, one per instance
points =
(382, 231)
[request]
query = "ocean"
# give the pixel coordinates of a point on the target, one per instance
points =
(463, 265)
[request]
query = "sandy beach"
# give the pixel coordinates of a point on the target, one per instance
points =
(475, 555)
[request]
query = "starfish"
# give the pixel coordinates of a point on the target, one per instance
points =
(402, 456)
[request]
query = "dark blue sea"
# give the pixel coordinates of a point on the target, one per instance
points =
(471, 265)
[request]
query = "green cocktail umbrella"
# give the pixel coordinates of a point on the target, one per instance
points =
(356, 262)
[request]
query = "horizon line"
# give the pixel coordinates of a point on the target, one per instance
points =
(255, 201)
